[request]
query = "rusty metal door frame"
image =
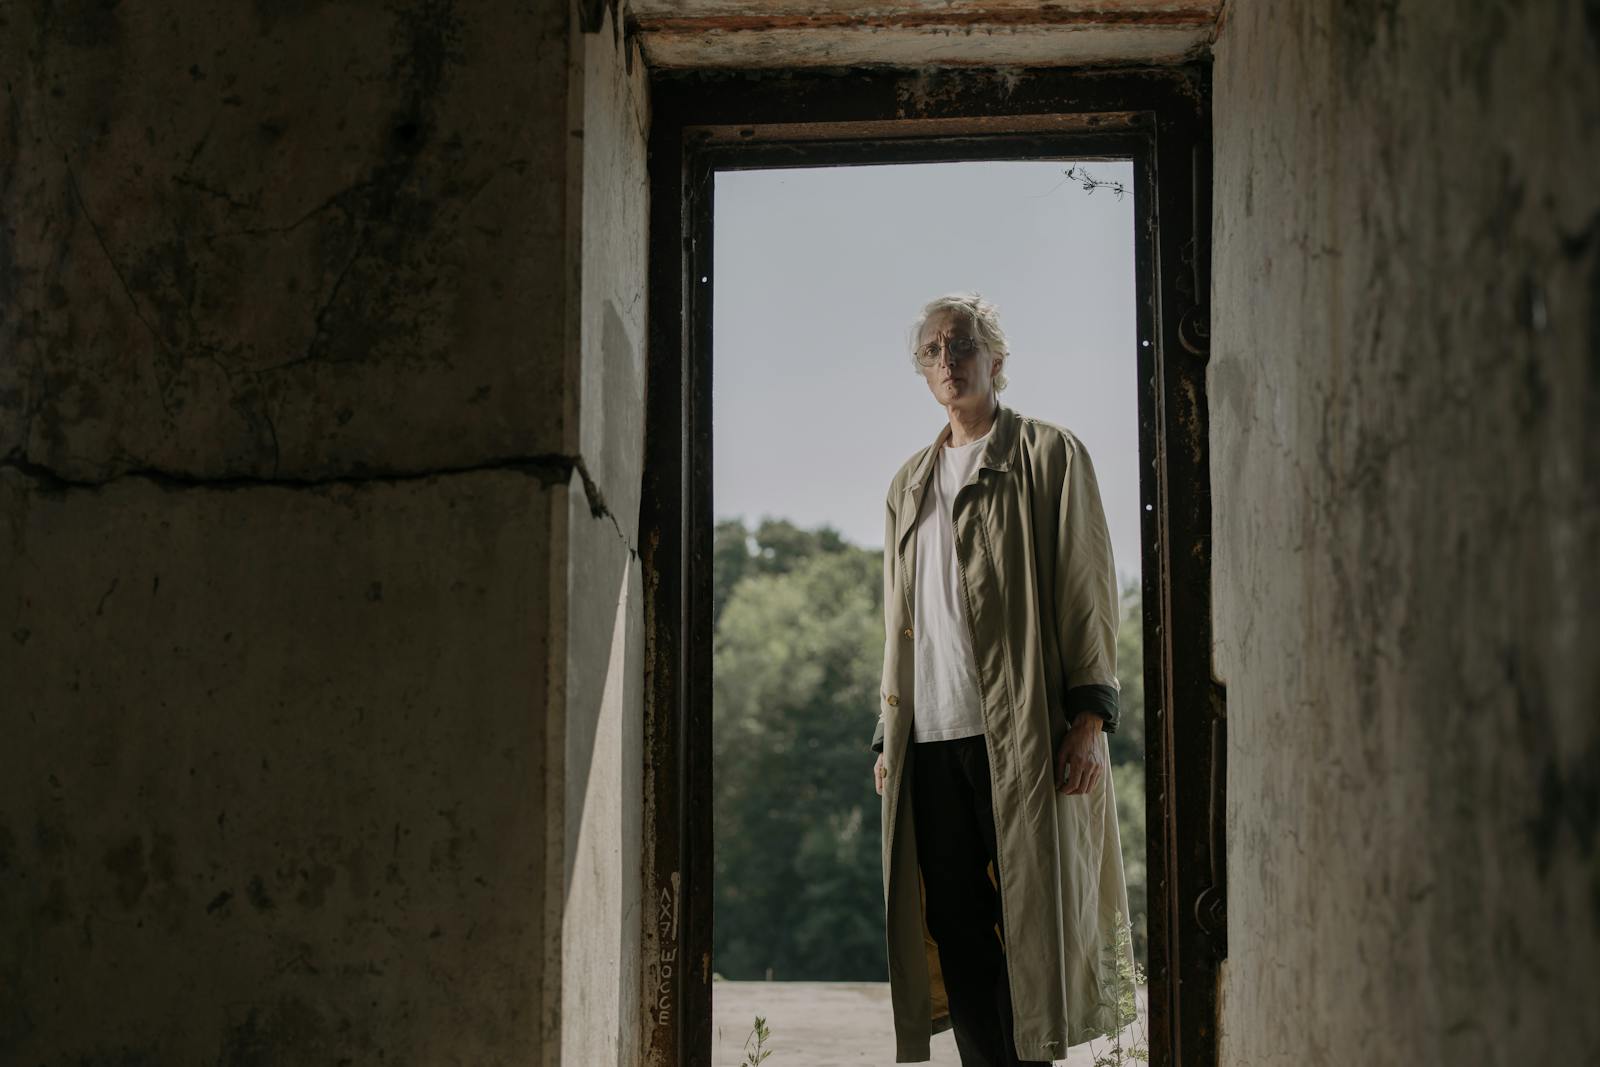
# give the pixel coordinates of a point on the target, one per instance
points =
(1159, 118)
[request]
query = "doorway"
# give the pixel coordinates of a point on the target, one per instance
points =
(815, 404)
(710, 124)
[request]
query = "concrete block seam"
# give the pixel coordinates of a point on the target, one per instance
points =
(549, 468)
(597, 503)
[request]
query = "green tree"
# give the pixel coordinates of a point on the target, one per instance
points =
(796, 659)
(777, 546)
(1127, 764)
(1127, 744)
(732, 553)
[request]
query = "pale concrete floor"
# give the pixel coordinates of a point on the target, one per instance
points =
(829, 1024)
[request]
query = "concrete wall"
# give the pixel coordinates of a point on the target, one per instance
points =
(321, 371)
(1405, 396)
(319, 485)
(602, 1011)
(272, 770)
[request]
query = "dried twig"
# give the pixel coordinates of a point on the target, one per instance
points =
(1090, 183)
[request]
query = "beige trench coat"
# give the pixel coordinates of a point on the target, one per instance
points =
(1041, 601)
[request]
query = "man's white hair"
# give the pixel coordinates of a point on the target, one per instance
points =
(985, 319)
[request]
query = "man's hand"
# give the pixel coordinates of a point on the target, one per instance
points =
(1080, 764)
(878, 773)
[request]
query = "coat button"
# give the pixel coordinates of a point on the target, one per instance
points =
(907, 631)
(894, 701)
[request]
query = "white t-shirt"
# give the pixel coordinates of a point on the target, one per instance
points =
(946, 671)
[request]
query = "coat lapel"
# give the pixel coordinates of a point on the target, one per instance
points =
(906, 518)
(997, 455)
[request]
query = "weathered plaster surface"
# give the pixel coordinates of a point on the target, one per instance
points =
(321, 393)
(928, 11)
(793, 33)
(293, 241)
(271, 790)
(612, 206)
(980, 46)
(1405, 395)
(601, 922)
(601, 874)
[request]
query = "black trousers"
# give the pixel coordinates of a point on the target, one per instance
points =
(954, 816)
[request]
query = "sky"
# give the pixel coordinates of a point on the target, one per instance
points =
(820, 274)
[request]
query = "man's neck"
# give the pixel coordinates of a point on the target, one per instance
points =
(966, 426)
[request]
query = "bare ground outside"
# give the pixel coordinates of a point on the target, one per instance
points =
(836, 1024)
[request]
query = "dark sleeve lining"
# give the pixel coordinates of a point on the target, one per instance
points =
(1098, 699)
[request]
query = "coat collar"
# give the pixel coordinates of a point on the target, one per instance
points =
(998, 454)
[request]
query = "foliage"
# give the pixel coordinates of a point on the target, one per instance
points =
(1127, 759)
(797, 654)
(777, 546)
(1127, 744)
(1130, 1043)
(1128, 780)
(758, 1035)
(796, 657)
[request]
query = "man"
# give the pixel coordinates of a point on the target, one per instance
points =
(1002, 871)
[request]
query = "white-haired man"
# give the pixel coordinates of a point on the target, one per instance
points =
(1002, 870)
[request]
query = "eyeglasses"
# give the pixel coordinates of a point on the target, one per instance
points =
(958, 347)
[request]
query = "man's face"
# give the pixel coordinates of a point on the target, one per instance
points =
(953, 379)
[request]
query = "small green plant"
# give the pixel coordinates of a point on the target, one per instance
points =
(758, 1037)
(1129, 1044)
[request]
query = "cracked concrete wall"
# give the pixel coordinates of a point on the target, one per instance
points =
(1405, 395)
(314, 239)
(602, 1011)
(321, 349)
(272, 767)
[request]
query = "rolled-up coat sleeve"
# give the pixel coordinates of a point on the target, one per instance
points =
(1086, 593)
